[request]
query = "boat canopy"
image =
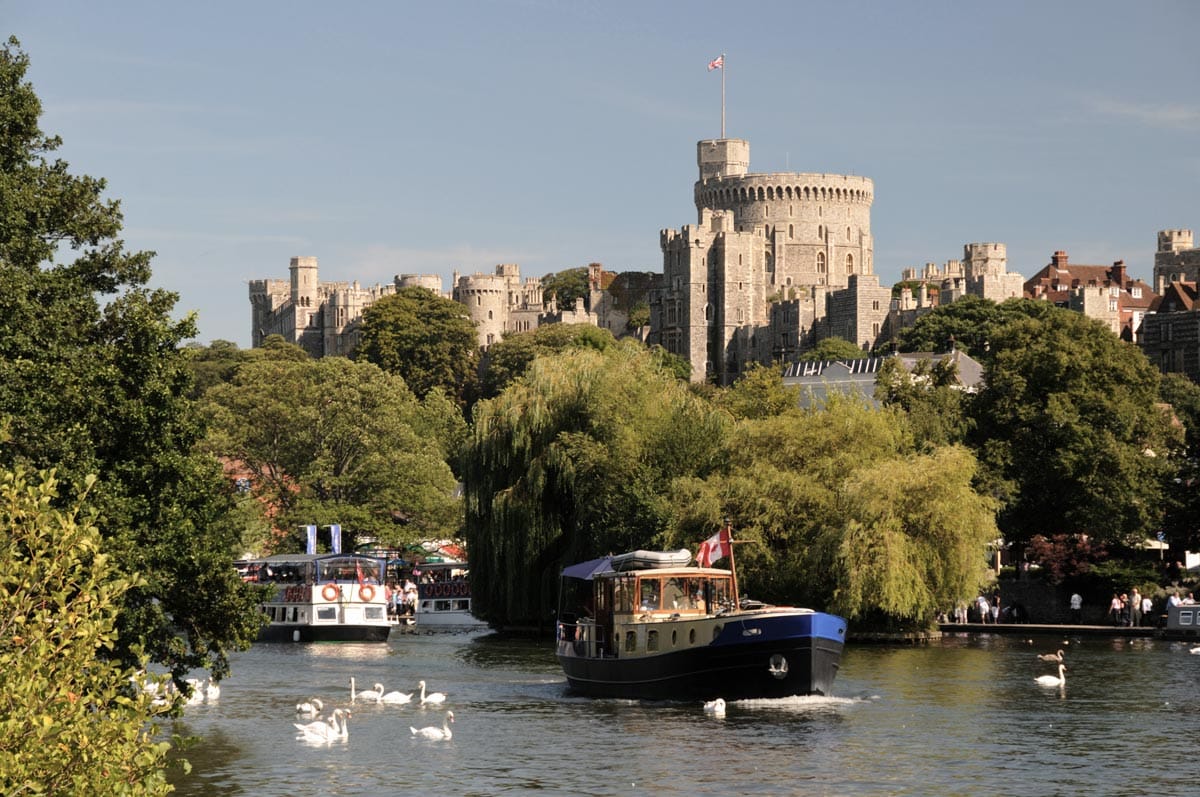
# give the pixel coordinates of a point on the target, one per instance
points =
(588, 570)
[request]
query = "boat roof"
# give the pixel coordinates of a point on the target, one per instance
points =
(300, 558)
(602, 568)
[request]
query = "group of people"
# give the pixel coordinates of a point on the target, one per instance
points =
(403, 600)
(1134, 609)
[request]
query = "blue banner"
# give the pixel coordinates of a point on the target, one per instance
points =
(311, 532)
(335, 538)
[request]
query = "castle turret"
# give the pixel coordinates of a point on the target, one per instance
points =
(304, 281)
(722, 157)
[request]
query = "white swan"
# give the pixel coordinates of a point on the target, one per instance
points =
(311, 708)
(1195, 650)
(1055, 657)
(1050, 680)
(370, 694)
(434, 732)
(212, 690)
(715, 707)
(432, 697)
(196, 693)
(396, 697)
(325, 730)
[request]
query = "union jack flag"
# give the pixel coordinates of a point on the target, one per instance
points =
(717, 63)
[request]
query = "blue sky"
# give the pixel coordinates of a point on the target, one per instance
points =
(397, 137)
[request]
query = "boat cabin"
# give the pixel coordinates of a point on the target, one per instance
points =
(640, 612)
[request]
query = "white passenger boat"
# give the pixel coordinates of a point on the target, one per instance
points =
(329, 598)
(444, 596)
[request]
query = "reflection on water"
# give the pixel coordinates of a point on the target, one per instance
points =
(961, 717)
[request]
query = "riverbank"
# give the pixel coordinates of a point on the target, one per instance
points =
(1050, 629)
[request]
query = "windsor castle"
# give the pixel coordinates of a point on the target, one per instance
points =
(775, 263)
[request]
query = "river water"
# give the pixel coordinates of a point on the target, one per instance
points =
(959, 717)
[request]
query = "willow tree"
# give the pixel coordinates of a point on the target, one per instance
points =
(574, 461)
(840, 513)
(911, 541)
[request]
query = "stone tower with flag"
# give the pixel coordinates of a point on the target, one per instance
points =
(761, 241)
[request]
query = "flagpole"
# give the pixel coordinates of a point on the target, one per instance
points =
(737, 601)
(723, 97)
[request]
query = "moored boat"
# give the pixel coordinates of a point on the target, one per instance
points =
(331, 598)
(444, 596)
(676, 632)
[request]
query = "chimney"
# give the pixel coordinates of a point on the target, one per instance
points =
(1059, 260)
(1117, 274)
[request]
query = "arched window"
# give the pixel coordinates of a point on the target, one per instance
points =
(708, 308)
(849, 264)
(847, 234)
(489, 315)
(820, 262)
(791, 231)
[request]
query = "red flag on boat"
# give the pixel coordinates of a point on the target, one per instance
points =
(358, 572)
(714, 548)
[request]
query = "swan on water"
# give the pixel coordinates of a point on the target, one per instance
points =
(1195, 650)
(432, 697)
(370, 694)
(715, 707)
(212, 690)
(325, 730)
(1055, 657)
(1051, 680)
(434, 732)
(310, 709)
(396, 697)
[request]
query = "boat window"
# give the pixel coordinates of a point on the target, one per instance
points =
(652, 640)
(649, 594)
(674, 638)
(691, 636)
(630, 641)
(327, 613)
(623, 595)
(675, 595)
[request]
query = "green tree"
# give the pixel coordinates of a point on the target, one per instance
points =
(1181, 523)
(566, 285)
(970, 323)
(1069, 432)
(507, 359)
(760, 393)
(69, 724)
(572, 461)
(834, 348)
(335, 441)
(930, 396)
(93, 381)
(424, 338)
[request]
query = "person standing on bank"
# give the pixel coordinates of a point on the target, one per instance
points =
(1147, 611)
(1135, 608)
(1076, 608)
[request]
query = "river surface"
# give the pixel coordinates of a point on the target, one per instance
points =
(959, 717)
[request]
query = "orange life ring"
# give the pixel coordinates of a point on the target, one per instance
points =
(330, 592)
(366, 592)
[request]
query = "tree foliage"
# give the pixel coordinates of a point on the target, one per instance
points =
(424, 338)
(93, 381)
(566, 285)
(335, 441)
(573, 461)
(507, 359)
(834, 348)
(1181, 489)
(1069, 432)
(69, 724)
(970, 323)
(930, 396)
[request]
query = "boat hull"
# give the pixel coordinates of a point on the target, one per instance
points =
(324, 633)
(753, 656)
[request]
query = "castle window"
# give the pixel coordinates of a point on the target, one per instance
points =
(489, 315)
(708, 308)
(849, 264)
(820, 232)
(478, 301)
(821, 264)
(875, 329)
(791, 231)
(847, 234)
(875, 305)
